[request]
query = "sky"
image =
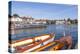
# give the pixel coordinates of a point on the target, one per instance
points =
(44, 10)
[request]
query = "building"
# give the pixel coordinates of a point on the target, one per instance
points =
(27, 20)
(40, 22)
(23, 22)
(15, 22)
(17, 19)
(60, 21)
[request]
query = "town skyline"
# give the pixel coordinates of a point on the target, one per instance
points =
(44, 10)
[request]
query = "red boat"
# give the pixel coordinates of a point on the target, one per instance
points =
(63, 43)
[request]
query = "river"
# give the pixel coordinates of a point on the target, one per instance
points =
(58, 29)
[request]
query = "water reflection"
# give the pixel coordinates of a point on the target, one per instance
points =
(31, 30)
(25, 33)
(58, 29)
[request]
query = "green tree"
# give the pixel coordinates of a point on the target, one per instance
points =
(15, 15)
(76, 21)
(68, 19)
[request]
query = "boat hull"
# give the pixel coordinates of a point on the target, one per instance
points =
(31, 44)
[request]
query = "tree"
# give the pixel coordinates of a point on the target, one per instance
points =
(47, 22)
(53, 22)
(68, 19)
(76, 21)
(64, 19)
(15, 15)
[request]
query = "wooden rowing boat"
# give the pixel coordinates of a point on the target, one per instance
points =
(31, 44)
(62, 43)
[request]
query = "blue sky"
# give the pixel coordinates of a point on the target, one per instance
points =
(44, 10)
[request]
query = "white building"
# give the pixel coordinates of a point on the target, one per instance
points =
(15, 22)
(13, 19)
(60, 22)
(40, 21)
(27, 20)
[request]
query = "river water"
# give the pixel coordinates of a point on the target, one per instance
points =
(58, 29)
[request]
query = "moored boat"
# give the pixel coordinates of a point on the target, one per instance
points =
(63, 43)
(31, 44)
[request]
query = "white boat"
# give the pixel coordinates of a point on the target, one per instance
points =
(31, 44)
